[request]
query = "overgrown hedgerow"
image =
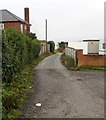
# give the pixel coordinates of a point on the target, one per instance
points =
(15, 93)
(19, 57)
(18, 53)
(17, 50)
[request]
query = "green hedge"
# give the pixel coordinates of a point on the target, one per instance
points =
(52, 46)
(17, 50)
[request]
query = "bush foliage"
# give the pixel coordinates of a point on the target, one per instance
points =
(17, 50)
(31, 35)
(52, 46)
(62, 46)
(68, 62)
(14, 94)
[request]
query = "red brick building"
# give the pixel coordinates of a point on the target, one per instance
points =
(8, 19)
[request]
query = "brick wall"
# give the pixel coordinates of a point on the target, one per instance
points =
(12, 24)
(16, 25)
(90, 60)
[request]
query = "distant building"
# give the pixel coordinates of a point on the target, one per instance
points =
(93, 46)
(87, 53)
(43, 47)
(98, 46)
(8, 19)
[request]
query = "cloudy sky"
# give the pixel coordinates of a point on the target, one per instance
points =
(68, 20)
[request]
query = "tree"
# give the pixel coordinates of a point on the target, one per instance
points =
(52, 46)
(31, 35)
(62, 46)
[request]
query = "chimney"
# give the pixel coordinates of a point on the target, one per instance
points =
(26, 14)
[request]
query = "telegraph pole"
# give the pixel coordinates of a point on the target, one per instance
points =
(46, 35)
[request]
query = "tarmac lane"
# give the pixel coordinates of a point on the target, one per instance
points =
(60, 93)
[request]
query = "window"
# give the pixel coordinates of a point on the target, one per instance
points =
(25, 27)
(1, 26)
(104, 45)
(21, 28)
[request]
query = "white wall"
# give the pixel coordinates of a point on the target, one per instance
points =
(84, 46)
(101, 50)
(56, 45)
(79, 45)
(93, 46)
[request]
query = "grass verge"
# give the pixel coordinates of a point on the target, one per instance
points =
(14, 93)
(92, 68)
(69, 63)
(56, 51)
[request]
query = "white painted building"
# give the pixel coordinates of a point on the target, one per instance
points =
(84, 46)
(79, 45)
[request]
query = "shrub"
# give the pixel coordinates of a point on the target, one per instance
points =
(68, 62)
(52, 46)
(62, 46)
(17, 50)
(31, 35)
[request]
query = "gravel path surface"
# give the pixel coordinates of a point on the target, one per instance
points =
(65, 94)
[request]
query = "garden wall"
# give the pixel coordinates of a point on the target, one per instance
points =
(90, 60)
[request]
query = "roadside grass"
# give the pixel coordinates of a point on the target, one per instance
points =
(69, 63)
(56, 51)
(14, 93)
(92, 68)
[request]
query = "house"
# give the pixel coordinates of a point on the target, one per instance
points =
(43, 47)
(8, 19)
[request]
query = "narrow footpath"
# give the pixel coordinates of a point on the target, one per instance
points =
(63, 93)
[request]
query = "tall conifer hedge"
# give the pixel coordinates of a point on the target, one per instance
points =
(17, 51)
